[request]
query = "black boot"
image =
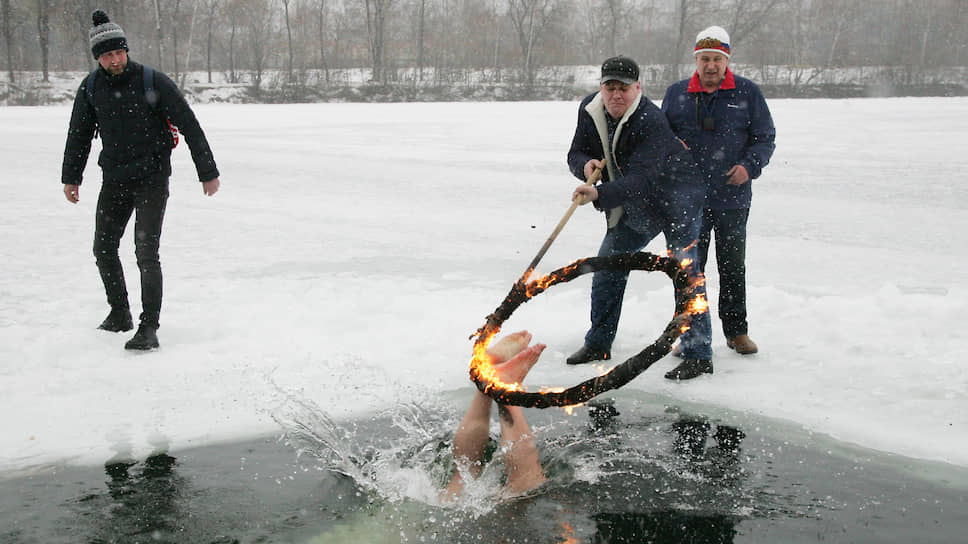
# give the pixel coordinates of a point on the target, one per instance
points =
(144, 339)
(588, 354)
(119, 320)
(690, 368)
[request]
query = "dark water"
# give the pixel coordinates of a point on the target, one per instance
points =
(634, 471)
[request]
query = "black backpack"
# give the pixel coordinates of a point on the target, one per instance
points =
(150, 96)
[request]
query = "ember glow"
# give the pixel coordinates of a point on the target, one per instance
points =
(570, 409)
(697, 305)
(688, 305)
(541, 284)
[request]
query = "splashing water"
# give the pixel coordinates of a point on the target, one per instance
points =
(400, 454)
(403, 454)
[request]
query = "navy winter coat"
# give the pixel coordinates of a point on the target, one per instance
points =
(650, 168)
(135, 139)
(744, 133)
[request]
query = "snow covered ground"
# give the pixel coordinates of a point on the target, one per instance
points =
(353, 249)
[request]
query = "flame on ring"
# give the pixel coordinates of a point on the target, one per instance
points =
(480, 366)
(481, 361)
(698, 304)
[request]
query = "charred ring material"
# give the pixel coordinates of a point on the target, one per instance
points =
(618, 376)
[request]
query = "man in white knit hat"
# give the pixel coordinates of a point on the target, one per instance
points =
(727, 125)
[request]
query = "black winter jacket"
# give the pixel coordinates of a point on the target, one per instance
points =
(135, 139)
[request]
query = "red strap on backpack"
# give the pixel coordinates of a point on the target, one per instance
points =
(174, 133)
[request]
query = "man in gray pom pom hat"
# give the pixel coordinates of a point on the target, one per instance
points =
(134, 109)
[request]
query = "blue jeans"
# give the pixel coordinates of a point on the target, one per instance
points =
(730, 229)
(608, 286)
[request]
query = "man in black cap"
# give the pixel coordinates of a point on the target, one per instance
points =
(650, 184)
(133, 108)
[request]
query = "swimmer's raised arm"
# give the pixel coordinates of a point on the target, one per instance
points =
(512, 359)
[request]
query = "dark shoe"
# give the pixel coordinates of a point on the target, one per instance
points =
(119, 320)
(587, 355)
(743, 344)
(144, 339)
(689, 369)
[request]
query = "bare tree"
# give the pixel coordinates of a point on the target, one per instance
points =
(530, 17)
(590, 19)
(798, 36)
(210, 36)
(259, 28)
(376, 17)
(235, 14)
(342, 33)
(322, 40)
(496, 63)
(188, 48)
(43, 36)
(618, 12)
(158, 35)
(746, 17)
(285, 5)
(421, 20)
(8, 33)
(684, 13)
(832, 21)
(82, 16)
(174, 39)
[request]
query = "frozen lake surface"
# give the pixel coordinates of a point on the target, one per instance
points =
(353, 249)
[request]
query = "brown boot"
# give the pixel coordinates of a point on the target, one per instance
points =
(743, 344)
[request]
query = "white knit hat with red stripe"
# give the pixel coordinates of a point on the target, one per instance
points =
(714, 39)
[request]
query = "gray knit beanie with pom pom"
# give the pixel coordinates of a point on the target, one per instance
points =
(105, 36)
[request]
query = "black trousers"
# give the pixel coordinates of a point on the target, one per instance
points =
(729, 227)
(146, 198)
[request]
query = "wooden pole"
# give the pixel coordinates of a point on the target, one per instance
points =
(592, 179)
(518, 289)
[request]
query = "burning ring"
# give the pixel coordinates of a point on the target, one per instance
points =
(688, 303)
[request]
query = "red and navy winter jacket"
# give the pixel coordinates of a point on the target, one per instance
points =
(743, 133)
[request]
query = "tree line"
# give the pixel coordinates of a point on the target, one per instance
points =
(412, 40)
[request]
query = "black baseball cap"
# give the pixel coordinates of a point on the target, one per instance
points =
(620, 68)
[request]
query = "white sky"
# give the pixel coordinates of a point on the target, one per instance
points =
(355, 247)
